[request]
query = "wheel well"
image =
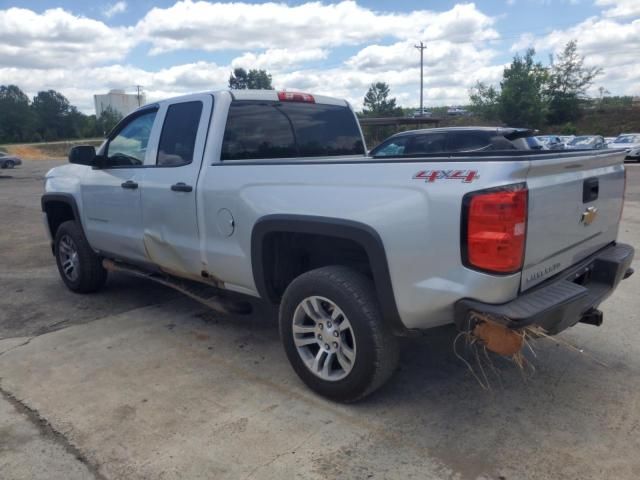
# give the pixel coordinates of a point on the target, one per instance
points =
(284, 246)
(286, 255)
(58, 212)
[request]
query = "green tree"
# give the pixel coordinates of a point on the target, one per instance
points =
(51, 109)
(569, 80)
(485, 101)
(377, 102)
(16, 117)
(240, 79)
(107, 120)
(522, 92)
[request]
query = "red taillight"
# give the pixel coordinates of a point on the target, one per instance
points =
(296, 97)
(494, 229)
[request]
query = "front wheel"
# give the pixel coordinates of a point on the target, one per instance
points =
(79, 266)
(334, 334)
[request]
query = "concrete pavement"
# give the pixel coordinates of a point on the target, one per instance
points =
(142, 383)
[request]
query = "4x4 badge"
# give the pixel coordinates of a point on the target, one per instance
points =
(430, 176)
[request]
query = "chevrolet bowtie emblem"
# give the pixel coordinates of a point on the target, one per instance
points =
(589, 215)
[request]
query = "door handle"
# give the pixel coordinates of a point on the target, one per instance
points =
(590, 190)
(181, 187)
(130, 184)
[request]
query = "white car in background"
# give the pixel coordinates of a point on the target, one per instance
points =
(587, 142)
(456, 111)
(630, 142)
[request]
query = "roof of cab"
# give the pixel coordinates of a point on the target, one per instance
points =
(272, 95)
(264, 95)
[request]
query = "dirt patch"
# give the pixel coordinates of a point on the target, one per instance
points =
(27, 152)
(47, 151)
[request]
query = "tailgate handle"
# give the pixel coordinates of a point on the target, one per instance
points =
(590, 190)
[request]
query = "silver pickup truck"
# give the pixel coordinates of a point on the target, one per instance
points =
(271, 195)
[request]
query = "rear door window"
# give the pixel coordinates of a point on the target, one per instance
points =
(178, 138)
(468, 141)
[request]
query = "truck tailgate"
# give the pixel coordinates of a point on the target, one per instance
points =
(575, 201)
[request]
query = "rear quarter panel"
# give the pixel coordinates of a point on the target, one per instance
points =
(418, 221)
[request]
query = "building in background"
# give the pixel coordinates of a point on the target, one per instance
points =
(118, 100)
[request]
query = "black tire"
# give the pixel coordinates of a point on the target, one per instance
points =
(9, 164)
(377, 347)
(89, 275)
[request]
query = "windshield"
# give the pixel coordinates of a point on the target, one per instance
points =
(628, 139)
(582, 141)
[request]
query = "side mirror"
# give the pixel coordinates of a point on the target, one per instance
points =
(82, 155)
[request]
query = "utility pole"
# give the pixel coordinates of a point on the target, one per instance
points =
(139, 89)
(421, 47)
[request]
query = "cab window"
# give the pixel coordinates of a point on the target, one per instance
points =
(257, 130)
(129, 147)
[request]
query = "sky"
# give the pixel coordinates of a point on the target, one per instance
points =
(335, 48)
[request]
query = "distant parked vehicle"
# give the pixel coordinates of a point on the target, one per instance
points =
(609, 140)
(456, 140)
(421, 112)
(630, 142)
(9, 161)
(566, 138)
(587, 142)
(551, 142)
(456, 111)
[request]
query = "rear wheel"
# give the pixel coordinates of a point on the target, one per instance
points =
(334, 334)
(9, 164)
(80, 268)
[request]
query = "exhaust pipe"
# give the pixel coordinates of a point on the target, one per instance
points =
(593, 317)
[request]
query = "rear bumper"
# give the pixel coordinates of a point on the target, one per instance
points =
(563, 301)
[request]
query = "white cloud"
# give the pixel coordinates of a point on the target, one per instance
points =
(80, 56)
(114, 9)
(56, 37)
(241, 26)
(79, 85)
(607, 43)
(620, 8)
(276, 59)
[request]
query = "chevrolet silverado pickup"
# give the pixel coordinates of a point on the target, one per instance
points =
(271, 195)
